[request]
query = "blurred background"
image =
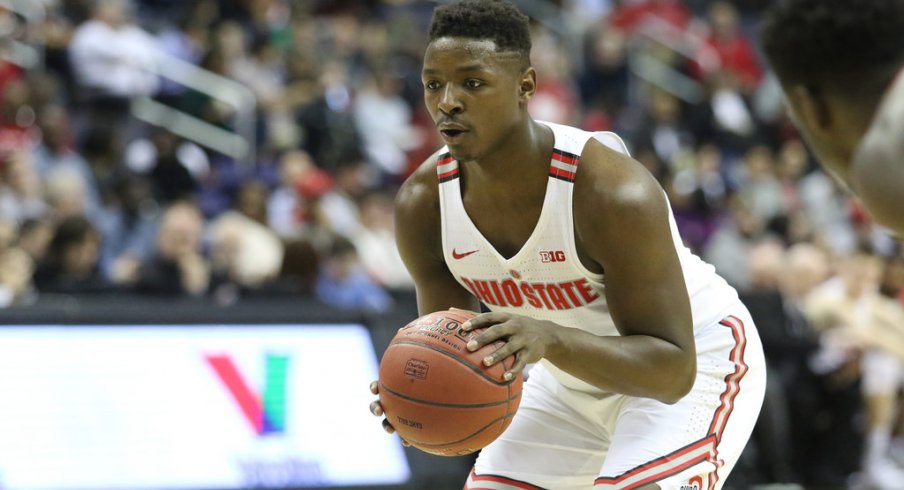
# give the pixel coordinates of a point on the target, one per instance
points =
(197, 265)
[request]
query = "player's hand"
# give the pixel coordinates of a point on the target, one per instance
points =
(377, 409)
(525, 338)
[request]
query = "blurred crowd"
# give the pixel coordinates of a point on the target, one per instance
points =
(94, 200)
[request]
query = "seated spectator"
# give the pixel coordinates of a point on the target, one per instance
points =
(20, 188)
(171, 177)
(343, 283)
(778, 280)
(16, 270)
(251, 201)
(244, 253)
(65, 194)
(17, 118)
(284, 206)
(730, 244)
(8, 232)
(376, 245)
(178, 267)
(34, 238)
(56, 152)
(384, 120)
(851, 318)
(72, 261)
(298, 272)
(129, 225)
(733, 52)
(339, 205)
(113, 59)
(629, 16)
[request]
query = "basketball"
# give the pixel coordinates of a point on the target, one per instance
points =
(438, 395)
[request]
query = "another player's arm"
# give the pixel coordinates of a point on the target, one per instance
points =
(418, 235)
(621, 222)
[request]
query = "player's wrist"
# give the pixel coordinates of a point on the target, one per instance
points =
(560, 342)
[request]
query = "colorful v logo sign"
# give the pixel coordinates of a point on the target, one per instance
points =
(265, 412)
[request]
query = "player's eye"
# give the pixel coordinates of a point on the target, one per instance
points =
(431, 85)
(473, 83)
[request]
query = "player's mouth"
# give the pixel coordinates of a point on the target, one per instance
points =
(452, 133)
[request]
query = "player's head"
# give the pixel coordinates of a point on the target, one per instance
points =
(834, 59)
(477, 76)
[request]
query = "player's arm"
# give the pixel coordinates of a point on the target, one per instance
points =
(622, 220)
(419, 238)
(622, 224)
(418, 235)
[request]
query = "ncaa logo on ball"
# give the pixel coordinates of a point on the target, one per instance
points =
(416, 368)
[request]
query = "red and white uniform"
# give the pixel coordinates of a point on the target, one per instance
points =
(568, 434)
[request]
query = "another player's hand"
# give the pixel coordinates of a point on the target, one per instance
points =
(377, 409)
(525, 338)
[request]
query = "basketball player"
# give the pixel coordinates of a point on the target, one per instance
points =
(838, 62)
(650, 372)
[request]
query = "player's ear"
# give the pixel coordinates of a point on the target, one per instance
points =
(811, 106)
(527, 86)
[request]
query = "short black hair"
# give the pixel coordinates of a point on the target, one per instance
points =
(494, 20)
(854, 45)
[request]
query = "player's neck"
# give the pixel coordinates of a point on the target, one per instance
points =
(525, 152)
(519, 162)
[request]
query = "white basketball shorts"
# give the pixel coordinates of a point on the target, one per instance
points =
(562, 439)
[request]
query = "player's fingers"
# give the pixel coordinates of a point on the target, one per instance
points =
(501, 353)
(520, 363)
(487, 336)
(388, 427)
(376, 408)
(484, 320)
(375, 387)
(406, 443)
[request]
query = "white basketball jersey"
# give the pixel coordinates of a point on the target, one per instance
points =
(545, 279)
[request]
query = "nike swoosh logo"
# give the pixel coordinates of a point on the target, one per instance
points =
(457, 256)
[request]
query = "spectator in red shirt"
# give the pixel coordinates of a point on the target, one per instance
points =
(631, 14)
(729, 49)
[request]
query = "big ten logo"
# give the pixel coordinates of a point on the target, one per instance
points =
(693, 483)
(547, 256)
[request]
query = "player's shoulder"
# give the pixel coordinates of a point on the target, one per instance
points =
(608, 176)
(420, 192)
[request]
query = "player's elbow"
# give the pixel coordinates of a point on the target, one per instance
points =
(682, 380)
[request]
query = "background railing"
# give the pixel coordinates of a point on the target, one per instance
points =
(27, 53)
(670, 41)
(240, 145)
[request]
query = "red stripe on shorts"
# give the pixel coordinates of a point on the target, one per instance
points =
(661, 467)
(474, 482)
(732, 388)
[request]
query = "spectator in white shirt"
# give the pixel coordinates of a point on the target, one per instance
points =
(112, 56)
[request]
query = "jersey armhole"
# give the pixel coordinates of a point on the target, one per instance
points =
(612, 141)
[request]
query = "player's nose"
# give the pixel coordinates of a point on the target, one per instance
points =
(449, 102)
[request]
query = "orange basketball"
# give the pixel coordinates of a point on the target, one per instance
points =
(438, 395)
